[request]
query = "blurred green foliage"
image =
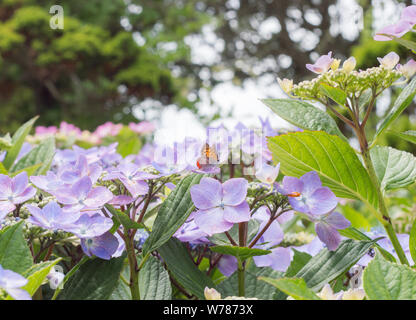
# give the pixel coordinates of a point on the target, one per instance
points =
(93, 70)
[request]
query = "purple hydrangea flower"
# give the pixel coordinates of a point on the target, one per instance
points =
(404, 25)
(266, 173)
(121, 246)
(280, 257)
(311, 248)
(408, 69)
(145, 156)
(273, 235)
(51, 216)
(90, 225)
(14, 191)
(103, 246)
(220, 205)
(82, 195)
(48, 183)
(390, 60)
(278, 260)
(386, 244)
(55, 278)
(12, 282)
(168, 160)
(322, 64)
(327, 227)
(69, 174)
(307, 195)
(190, 232)
(398, 30)
(132, 178)
(409, 14)
(267, 128)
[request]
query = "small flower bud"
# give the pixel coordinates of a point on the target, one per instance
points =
(212, 294)
(408, 70)
(285, 84)
(389, 61)
(335, 64)
(349, 65)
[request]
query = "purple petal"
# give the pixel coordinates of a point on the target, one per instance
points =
(19, 294)
(207, 194)
(5, 208)
(292, 184)
(328, 235)
(212, 221)
(280, 259)
(311, 182)
(81, 188)
(273, 235)
(285, 217)
(337, 220)
(20, 182)
(262, 214)
(409, 15)
(5, 187)
(136, 188)
(227, 265)
(395, 30)
(10, 279)
(322, 201)
(103, 246)
(121, 200)
(98, 197)
(298, 205)
(27, 194)
(263, 261)
(234, 191)
(237, 214)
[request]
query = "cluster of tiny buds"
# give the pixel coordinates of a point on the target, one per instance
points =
(348, 79)
(296, 239)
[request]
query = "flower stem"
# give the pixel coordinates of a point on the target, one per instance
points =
(242, 230)
(241, 279)
(134, 273)
(384, 219)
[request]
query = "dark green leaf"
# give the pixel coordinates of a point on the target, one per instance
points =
(356, 234)
(14, 252)
(96, 279)
(172, 214)
(294, 287)
(401, 103)
(241, 253)
(254, 288)
(409, 135)
(17, 141)
(122, 218)
(183, 268)
(328, 265)
(412, 241)
(335, 94)
(300, 259)
(41, 156)
(154, 282)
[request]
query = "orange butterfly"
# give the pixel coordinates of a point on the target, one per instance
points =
(209, 156)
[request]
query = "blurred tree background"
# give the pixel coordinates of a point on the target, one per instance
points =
(117, 56)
